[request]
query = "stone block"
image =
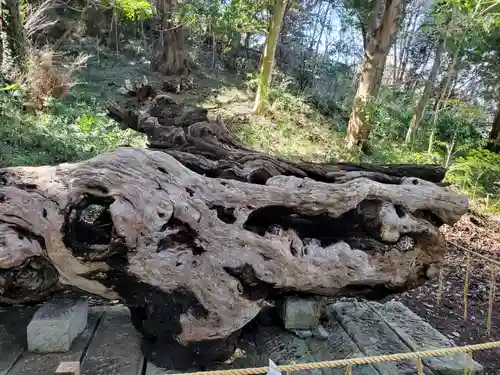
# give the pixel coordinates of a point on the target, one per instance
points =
(419, 335)
(56, 324)
(302, 333)
(339, 345)
(301, 313)
(373, 336)
(116, 346)
(44, 364)
(320, 333)
(282, 347)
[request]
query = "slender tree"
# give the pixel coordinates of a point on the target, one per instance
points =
(428, 89)
(494, 138)
(445, 94)
(12, 37)
(267, 60)
(378, 38)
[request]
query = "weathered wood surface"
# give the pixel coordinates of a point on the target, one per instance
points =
(283, 347)
(419, 335)
(196, 257)
(207, 147)
(68, 368)
(338, 346)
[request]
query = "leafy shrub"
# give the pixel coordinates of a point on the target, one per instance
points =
(478, 175)
(61, 132)
(44, 78)
(390, 116)
(135, 10)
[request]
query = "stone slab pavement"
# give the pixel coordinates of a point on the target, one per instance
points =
(110, 345)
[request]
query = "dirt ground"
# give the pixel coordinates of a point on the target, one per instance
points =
(482, 235)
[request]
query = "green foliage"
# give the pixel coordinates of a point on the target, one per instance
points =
(478, 174)
(133, 10)
(291, 128)
(224, 20)
(136, 10)
(60, 133)
(462, 121)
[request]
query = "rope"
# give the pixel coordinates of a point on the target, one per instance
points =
(355, 361)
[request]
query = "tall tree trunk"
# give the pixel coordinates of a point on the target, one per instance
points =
(170, 58)
(406, 43)
(235, 49)
(1, 37)
(494, 139)
(113, 35)
(429, 87)
(318, 42)
(315, 29)
(267, 60)
(452, 72)
(378, 40)
(12, 38)
(394, 71)
(247, 46)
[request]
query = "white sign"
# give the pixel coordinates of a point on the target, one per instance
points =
(272, 368)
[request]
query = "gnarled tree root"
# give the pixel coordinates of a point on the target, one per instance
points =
(208, 148)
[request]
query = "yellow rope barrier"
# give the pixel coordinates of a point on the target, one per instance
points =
(355, 361)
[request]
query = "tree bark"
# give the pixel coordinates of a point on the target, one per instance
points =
(2, 38)
(208, 148)
(429, 87)
(138, 225)
(12, 38)
(494, 138)
(318, 41)
(404, 56)
(196, 235)
(266, 66)
(170, 57)
(445, 94)
(378, 41)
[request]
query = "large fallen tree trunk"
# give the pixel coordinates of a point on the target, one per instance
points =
(195, 257)
(207, 147)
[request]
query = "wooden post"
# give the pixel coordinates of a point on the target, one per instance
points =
(68, 368)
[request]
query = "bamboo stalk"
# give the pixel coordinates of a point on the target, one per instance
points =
(466, 287)
(491, 301)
